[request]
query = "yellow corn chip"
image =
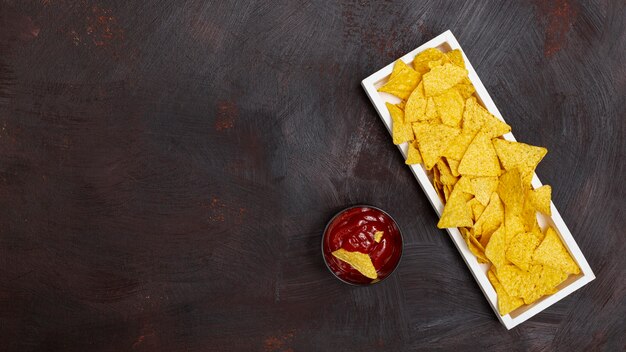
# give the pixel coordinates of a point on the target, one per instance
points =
(439, 190)
(551, 252)
(480, 158)
(464, 184)
(459, 145)
(477, 209)
(495, 248)
(466, 88)
(540, 199)
(416, 105)
(456, 57)
(476, 117)
(420, 62)
(537, 232)
(446, 175)
(510, 191)
(506, 303)
(515, 281)
(456, 213)
(476, 248)
(545, 280)
(490, 220)
(454, 166)
(431, 110)
(432, 140)
(441, 78)
(378, 235)
(413, 155)
(450, 105)
(519, 155)
(447, 189)
(529, 214)
(401, 131)
(359, 261)
(521, 248)
(402, 81)
(483, 187)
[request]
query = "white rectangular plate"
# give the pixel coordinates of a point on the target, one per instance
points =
(446, 42)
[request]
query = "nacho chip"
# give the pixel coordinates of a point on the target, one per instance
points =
(447, 189)
(477, 208)
(519, 155)
(529, 215)
(361, 262)
(431, 112)
(515, 281)
(456, 213)
(495, 248)
(402, 81)
(476, 117)
(506, 303)
(416, 105)
(459, 145)
(413, 155)
(510, 191)
(464, 184)
(480, 158)
(540, 199)
(446, 175)
(454, 166)
(490, 220)
(456, 57)
(483, 187)
(420, 62)
(432, 140)
(476, 248)
(442, 78)
(537, 232)
(545, 280)
(520, 250)
(378, 235)
(552, 253)
(466, 88)
(450, 105)
(401, 131)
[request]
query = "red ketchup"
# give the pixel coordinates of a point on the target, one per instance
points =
(353, 230)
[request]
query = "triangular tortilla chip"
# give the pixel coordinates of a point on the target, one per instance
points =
(466, 88)
(456, 57)
(506, 303)
(490, 220)
(540, 198)
(415, 109)
(454, 166)
(421, 60)
(520, 250)
(551, 252)
(456, 213)
(515, 281)
(545, 279)
(431, 112)
(477, 208)
(446, 175)
(413, 155)
(476, 117)
(459, 145)
(450, 105)
(519, 155)
(432, 140)
(359, 261)
(480, 158)
(402, 81)
(495, 249)
(441, 78)
(400, 131)
(483, 187)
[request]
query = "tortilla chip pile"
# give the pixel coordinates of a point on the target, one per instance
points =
(483, 180)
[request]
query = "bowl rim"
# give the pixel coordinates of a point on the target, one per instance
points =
(363, 206)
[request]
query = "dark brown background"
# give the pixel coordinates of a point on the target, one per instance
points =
(167, 167)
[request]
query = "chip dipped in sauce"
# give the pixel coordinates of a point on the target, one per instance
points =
(362, 245)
